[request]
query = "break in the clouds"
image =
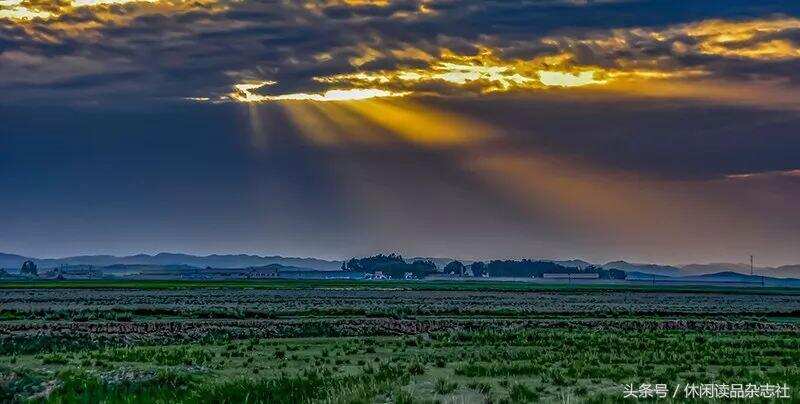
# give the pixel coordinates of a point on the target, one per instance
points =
(330, 50)
(657, 130)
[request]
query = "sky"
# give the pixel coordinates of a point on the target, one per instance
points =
(653, 131)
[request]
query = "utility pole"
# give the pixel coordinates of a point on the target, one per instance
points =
(751, 264)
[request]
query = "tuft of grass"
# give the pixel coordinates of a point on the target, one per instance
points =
(521, 393)
(483, 388)
(401, 396)
(16, 383)
(308, 386)
(416, 369)
(54, 359)
(442, 386)
(82, 386)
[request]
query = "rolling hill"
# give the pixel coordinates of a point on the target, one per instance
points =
(13, 261)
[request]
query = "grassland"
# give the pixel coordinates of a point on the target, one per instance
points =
(335, 342)
(453, 285)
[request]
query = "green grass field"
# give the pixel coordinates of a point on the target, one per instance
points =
(459, 285)
(515, 366)
(326, 342)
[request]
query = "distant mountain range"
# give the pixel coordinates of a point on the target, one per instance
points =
(652, 269)
(785, 271)
(12, 261)
(214, 261)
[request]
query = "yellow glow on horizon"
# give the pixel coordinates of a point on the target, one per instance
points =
(244, 93)
(566, 79)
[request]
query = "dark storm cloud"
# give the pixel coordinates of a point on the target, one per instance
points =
(89, 81)
(292, 42)
(145, 53)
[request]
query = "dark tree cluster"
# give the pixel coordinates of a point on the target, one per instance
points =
(392, 265)
(524, 268)
(479, 269)
(370, 264)
(29, 268)
(396, 267)
(455, 268)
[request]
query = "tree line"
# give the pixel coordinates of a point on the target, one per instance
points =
(395, 265)
(392, 265)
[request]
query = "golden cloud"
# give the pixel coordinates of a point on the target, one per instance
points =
(745, 39)
(483, 73)
(16, 10)
(245, 93)
(637, 73)
(21, 11)
(486, 72)
(619, 60)
(757, 39)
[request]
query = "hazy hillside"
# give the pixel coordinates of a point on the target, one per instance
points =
(786, 271)
(701, 269)
(11, 260)
(730, 276)
(214, 261)
(652, 269)
(14, 261)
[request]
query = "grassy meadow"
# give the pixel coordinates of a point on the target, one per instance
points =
(329, 344)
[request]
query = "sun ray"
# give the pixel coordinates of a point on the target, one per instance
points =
(423, 125)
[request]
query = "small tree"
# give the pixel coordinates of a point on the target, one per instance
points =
(455, 267)
(29, 268)
(478, 268)
(374, 263)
